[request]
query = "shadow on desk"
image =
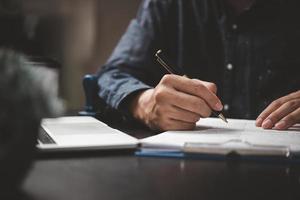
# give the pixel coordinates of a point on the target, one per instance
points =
(85, 154)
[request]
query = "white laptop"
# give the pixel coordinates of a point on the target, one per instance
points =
(78, 133)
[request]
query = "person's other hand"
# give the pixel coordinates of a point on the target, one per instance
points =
(281, 113)
(176, 103)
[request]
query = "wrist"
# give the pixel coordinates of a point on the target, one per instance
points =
(140, 103)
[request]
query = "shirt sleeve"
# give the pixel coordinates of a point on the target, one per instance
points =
(131, 67)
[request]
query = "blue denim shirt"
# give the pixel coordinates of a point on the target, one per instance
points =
(253, 58)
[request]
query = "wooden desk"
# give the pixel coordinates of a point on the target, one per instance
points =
(111, 175)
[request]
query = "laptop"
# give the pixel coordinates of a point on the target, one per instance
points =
(81, 133)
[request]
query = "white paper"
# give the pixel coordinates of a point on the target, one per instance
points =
(215, 131)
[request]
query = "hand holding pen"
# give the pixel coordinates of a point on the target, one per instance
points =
(176, 103)
(173, 71)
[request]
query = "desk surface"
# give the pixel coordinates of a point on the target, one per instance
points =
(113, 176)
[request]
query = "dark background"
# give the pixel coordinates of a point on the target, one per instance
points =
(78, 35)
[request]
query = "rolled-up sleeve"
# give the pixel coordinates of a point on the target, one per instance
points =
(132, 66)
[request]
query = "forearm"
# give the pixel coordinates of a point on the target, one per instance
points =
(131, 67)
(115, 86)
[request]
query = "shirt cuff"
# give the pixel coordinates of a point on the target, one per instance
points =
(122, 99)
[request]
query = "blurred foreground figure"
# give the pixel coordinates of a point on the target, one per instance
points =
(24, 100)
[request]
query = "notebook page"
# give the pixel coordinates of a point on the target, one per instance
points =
(215, 131)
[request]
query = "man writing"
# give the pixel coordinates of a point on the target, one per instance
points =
(248, 48)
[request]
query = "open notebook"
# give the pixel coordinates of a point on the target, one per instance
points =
(81, 133)
(214, 137)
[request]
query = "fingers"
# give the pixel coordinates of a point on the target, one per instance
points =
(194, 87)
(166, 117)
(275, 105)
(183, 115)
(184, 102)
(211, 86)
(271, 108)
(282, 113)
(279, 113)
(289, 120)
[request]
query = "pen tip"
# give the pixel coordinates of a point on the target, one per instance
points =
(223, 118)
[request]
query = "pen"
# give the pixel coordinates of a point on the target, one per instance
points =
(171, 70)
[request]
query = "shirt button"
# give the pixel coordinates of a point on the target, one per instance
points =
(229, 67)
(226, 107)
(234, 26)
